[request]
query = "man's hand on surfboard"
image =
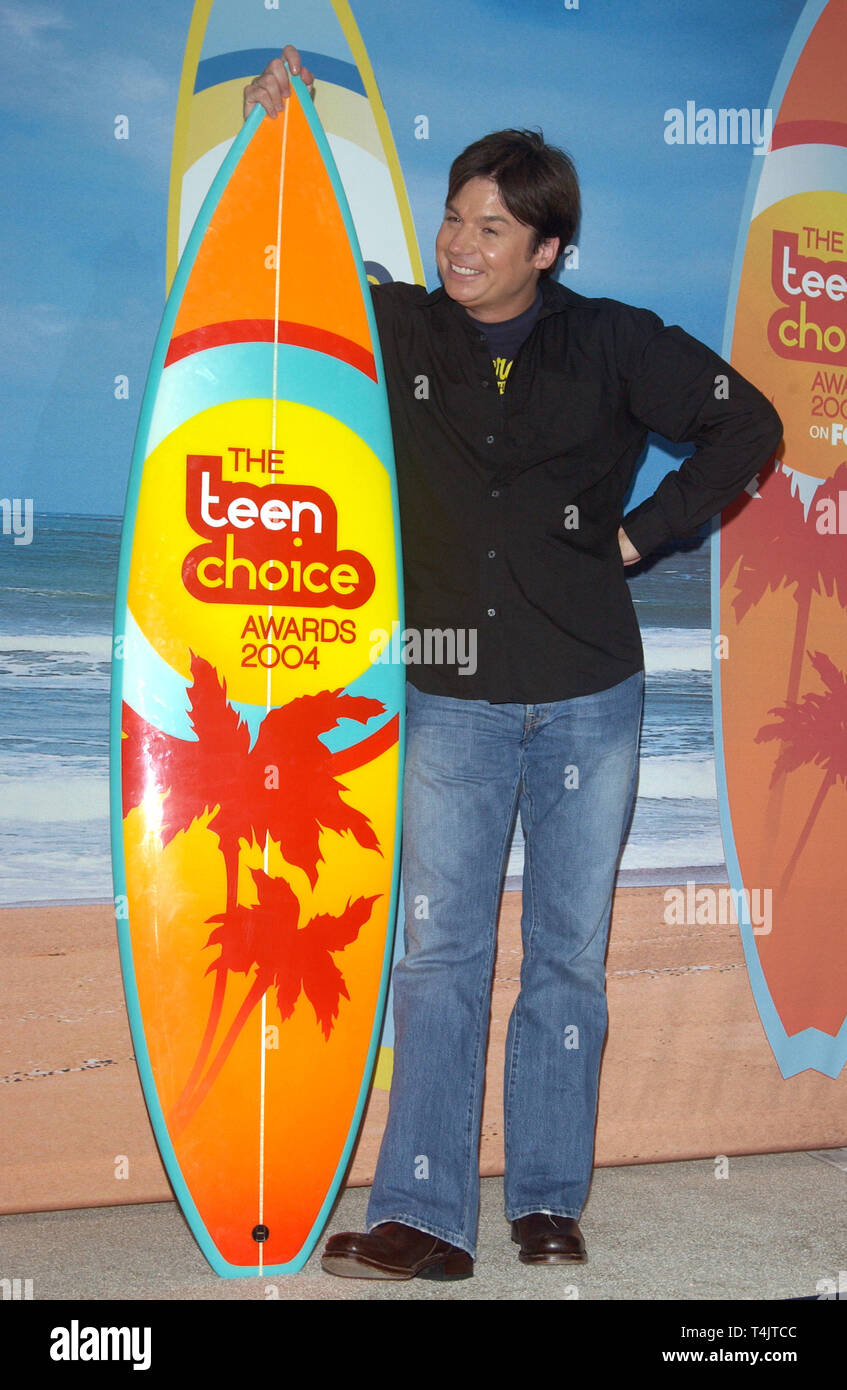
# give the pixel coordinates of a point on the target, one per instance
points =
(271, 88)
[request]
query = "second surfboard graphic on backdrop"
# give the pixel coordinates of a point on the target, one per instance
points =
(780, 563)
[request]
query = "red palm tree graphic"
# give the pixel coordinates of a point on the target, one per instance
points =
(777, 549)
(285, 788)
(780, 546)
(292, 959)
(812, 730)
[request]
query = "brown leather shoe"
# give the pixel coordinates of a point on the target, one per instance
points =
(394, 1251)
(548, 1240)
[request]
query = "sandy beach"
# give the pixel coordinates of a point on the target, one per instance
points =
(687, 1070)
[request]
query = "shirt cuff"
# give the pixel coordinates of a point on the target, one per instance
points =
(646, 527)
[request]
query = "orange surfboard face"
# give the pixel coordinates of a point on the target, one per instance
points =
(782, 569)
(258, 752)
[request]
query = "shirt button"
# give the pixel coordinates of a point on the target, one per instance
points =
(486, 383)
(491, 554)
(489, 439)
(491, 612)
(495, 492)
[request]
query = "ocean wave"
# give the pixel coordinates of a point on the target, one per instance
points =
(52, 660)
(51, 593)
(91, 646)
(81, 680)
(688, 851)
(677, 649)
(684, 852)
(665, 649)
(47, 874)
(677, 779)
(21, 760)
(52, 800)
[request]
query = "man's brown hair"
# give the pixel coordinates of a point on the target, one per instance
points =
(538, 183)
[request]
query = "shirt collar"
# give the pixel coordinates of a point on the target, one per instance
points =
(555, 299)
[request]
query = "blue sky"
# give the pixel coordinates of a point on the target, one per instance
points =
(83, 233)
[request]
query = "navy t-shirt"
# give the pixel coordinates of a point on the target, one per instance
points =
(504, 339)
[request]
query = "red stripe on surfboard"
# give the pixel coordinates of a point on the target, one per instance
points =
(266, 331)
(808, 133)
(346, 759)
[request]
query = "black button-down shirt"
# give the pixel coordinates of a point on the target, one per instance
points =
(510, 504)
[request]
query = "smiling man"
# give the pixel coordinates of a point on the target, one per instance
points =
(519, 411)
(489, 261)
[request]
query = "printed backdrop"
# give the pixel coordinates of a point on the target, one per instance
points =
(668, 111)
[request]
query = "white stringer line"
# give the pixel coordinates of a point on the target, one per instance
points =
(277, 260)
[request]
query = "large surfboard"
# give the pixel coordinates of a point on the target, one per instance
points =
(780, 566)
(256, 735)
(228, 45)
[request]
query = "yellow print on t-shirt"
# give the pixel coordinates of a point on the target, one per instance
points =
(502, 367)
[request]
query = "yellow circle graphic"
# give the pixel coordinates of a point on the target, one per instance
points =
(330, 496)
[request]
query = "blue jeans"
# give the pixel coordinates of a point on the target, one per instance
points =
(571, 767)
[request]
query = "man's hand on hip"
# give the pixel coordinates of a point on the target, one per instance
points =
(629, 554)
